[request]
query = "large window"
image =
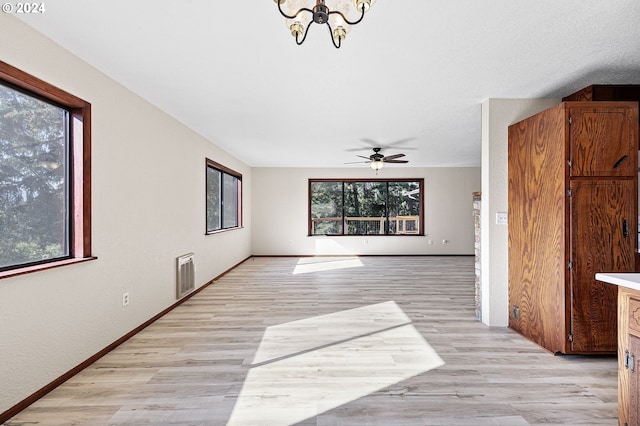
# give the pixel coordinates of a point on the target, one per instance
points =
(224, 198)
(45, 177)
(366, 207)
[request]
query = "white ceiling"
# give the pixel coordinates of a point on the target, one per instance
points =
(411, 77)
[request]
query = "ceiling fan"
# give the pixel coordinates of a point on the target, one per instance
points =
(377, 160)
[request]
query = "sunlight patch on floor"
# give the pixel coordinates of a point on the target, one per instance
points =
(296, 337)
(307, 367)
(318, 264)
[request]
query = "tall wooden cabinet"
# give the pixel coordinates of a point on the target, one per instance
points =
(573, 212)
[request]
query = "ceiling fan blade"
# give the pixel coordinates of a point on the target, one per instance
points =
(364, 148)
(362, 156)
(392, 157)
(400, 142)
(396, 161)
(357, 162)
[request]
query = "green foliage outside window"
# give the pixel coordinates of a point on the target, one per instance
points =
(365, 207)
(224, 200)
(34, 210)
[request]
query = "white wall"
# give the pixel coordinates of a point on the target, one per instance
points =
(280, 213)
(148, 208)
(497, 115)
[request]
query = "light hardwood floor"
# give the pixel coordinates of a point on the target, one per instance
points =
(387, 341)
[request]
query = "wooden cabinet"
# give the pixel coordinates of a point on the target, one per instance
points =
(601, 142)
(607, 92)
(628, 357)
(600, 241)
(572, 213)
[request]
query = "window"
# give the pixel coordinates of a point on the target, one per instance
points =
(45, 175)
(372, 207)
(224, 198)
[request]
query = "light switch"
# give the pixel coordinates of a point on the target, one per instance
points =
(501, 218)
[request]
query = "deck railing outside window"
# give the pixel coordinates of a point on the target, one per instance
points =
(373, 225)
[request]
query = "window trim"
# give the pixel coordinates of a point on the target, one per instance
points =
(79, 166)
(223, 169)
(421, 224)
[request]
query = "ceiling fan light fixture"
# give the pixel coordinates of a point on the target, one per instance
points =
(376, 160)
(376, 165)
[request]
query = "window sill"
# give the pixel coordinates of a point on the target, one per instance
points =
(223, 230)
(51, 265)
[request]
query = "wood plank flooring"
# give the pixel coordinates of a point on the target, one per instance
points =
(387, 341)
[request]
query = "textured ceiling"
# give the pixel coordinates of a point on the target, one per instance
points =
(411, 77)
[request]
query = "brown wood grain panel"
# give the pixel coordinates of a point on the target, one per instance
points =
(565, 310)
(537, 261)
(634, 381)
(606, 92)
(634, 317)
(599, 207)
(603, 139)
(624, 296)
(582, 95)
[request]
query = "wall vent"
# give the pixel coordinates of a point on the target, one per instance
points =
(186, 269)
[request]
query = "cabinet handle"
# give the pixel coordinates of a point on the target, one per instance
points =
(626, 359)
(620, 161)
(625, 227)
(633, 363)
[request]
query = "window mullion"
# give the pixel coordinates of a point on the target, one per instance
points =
(344, 223)
(386, 210)
(221, 200)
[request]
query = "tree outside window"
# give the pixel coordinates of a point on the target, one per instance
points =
(45, 175)
(223, 198)
(372, 207)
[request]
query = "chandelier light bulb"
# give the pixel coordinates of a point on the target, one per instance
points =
(339, 34)
(296, 29)
(366, 4)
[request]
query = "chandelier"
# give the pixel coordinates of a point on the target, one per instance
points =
(339, 15)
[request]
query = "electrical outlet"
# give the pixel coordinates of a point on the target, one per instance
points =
(125, 299)
(501, 218)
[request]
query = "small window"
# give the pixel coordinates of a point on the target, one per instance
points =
(371, 207)
(45, 175)
(224, 198)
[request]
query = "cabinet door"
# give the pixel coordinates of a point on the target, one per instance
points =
(603, 141)
(634, 381)
(602, 239)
